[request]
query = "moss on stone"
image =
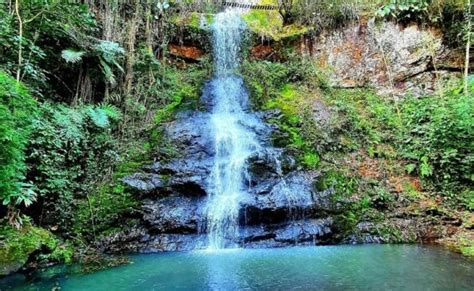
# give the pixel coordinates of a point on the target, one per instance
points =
(269, 24)
(17, 245)
(462, 242)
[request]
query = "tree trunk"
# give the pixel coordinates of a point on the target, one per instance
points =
(468, 45)
(20, 39)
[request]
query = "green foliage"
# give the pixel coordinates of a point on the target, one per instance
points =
(109, 54)
(49, 27)
(269, 88)
(180, 88)
(69, 151)
(449, 15)
(421, 10)
(437, 135)
(72, 56)
(103, 211)
(325, 14)
(342, 184)
(404, 9)
(361, 118)
(311, 160)
(265, 79)
(17, 109)
(433, 133)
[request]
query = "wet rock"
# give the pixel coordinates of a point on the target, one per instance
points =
(256, 233)
(307, 230)
(144, 182)
(268, 164)
(190, 135)
(291, 197)
(127, 241)
(269, 243)
(365, 232)
(183, 177)
(365, 227)
(187, 177)
(321, 113)
(173, 215)
(175, 242)
(292, 233)
(270, 114)
(138, 240)
(364, 239)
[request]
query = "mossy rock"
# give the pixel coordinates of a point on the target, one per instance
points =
(462, 242)
(269, 24)
(17, 245)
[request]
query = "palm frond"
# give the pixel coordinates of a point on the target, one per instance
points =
(72, 56)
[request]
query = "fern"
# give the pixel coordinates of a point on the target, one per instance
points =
(98, 117)
(109, 53)
(72, 56)
(111, 111)
(108, 72)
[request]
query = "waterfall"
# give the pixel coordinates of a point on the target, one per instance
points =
(230, 127)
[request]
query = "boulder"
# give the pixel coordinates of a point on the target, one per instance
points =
(287, 198)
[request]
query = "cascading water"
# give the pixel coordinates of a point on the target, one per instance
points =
(230, 126)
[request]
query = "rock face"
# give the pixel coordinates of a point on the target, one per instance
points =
(281, 208)
(387, 56)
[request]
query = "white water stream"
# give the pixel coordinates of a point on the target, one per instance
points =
(230, 126)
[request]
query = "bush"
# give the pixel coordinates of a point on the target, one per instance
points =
(438, 137)
(17, 109)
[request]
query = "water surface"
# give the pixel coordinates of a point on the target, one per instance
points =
(375, 267)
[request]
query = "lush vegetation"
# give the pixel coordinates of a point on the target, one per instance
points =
(86, 88)
(83, 92)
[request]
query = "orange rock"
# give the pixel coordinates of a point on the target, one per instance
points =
(186, 52)
(261, 51)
